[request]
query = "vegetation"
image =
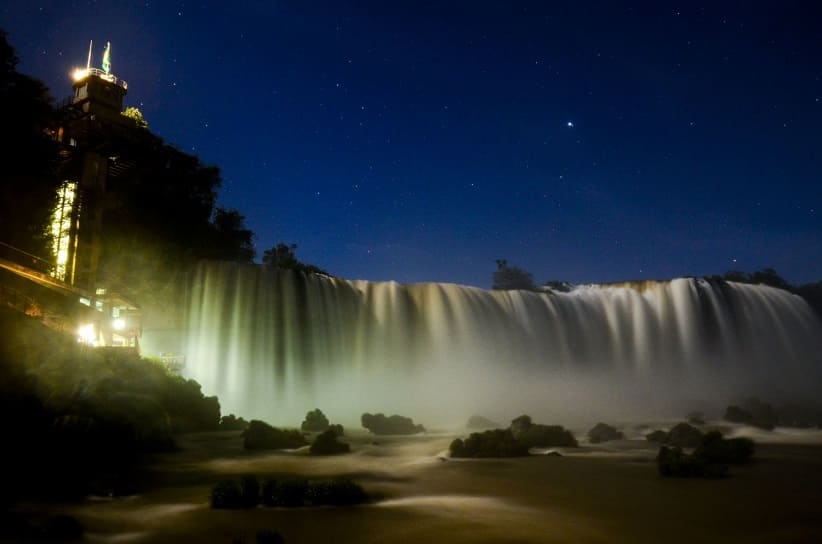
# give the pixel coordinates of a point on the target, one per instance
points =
(684, 435)
(602, 432)
(515, 441)
(282, 257)
(28, 178)
(753, 412)
(315, 422)
(494, 443)
(101, 409)
(233, 423)
(262, 436)
(534, 435)
(327, 443)
(709, 460)
(380, 424)
(286, 493)
(660, 437)
(512, 278)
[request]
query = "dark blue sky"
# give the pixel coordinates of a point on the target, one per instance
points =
(420, 141)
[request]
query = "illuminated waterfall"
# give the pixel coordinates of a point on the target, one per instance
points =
(276, 344)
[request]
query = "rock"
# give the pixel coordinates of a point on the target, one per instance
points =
(326, 443)
(261, 435)
(660, 437)
(684, 435)
(392, 425)
(494, 443)
(535, 435)
(716, 449)
(602, 432)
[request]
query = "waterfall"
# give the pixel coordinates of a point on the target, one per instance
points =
(273, 345)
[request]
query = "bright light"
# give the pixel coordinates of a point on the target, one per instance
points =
(79, 73)
(119, 324)
(86, 335)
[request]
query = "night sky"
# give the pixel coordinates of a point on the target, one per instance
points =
(420, 141)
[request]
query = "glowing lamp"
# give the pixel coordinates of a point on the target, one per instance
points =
(79, 73)
(86, 335)
(119, 324)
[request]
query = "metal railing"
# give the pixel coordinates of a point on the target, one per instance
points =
(108, 76)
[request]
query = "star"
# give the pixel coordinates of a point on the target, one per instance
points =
(570, 124)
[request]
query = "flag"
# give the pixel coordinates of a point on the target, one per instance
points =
(107, 58)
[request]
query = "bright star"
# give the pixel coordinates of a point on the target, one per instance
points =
(571, 124)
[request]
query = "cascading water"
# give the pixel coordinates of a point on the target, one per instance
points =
(273, 345)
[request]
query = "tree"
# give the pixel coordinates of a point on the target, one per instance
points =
(282, 257)
(137, 116)
(28, 184)
(512, 278)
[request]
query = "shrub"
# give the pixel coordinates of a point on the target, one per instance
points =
(716, 449)
(233, 423)
(288, 492)
(672, 462)
(326, 443)
(602, 432)
(249, 491)
(684, 436)
(337, 492)
(315, 422)
(260, 435)
(338, 429)
(494, 443)
(226, 494)
(396, 425)
(547, 436)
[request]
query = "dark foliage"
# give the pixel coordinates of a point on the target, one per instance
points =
(512, 278)
(673, 462)
(732, 451)
(753, 412)
(99, 408)
(602, 432)
(262, 436)
(28, 177)
(288, 492)
(397, 425)
(283, 257)
(327, 443)
(479, 422)
(227, 494)
(660, 437)
(336, 492)
(249, 491)
(233, 423)
(296, 492)
(684, 435)
(535, 435)
(315, 422)
(337, 428)
(494, 443)
(709, 460)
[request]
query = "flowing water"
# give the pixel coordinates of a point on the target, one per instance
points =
(273, 345)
